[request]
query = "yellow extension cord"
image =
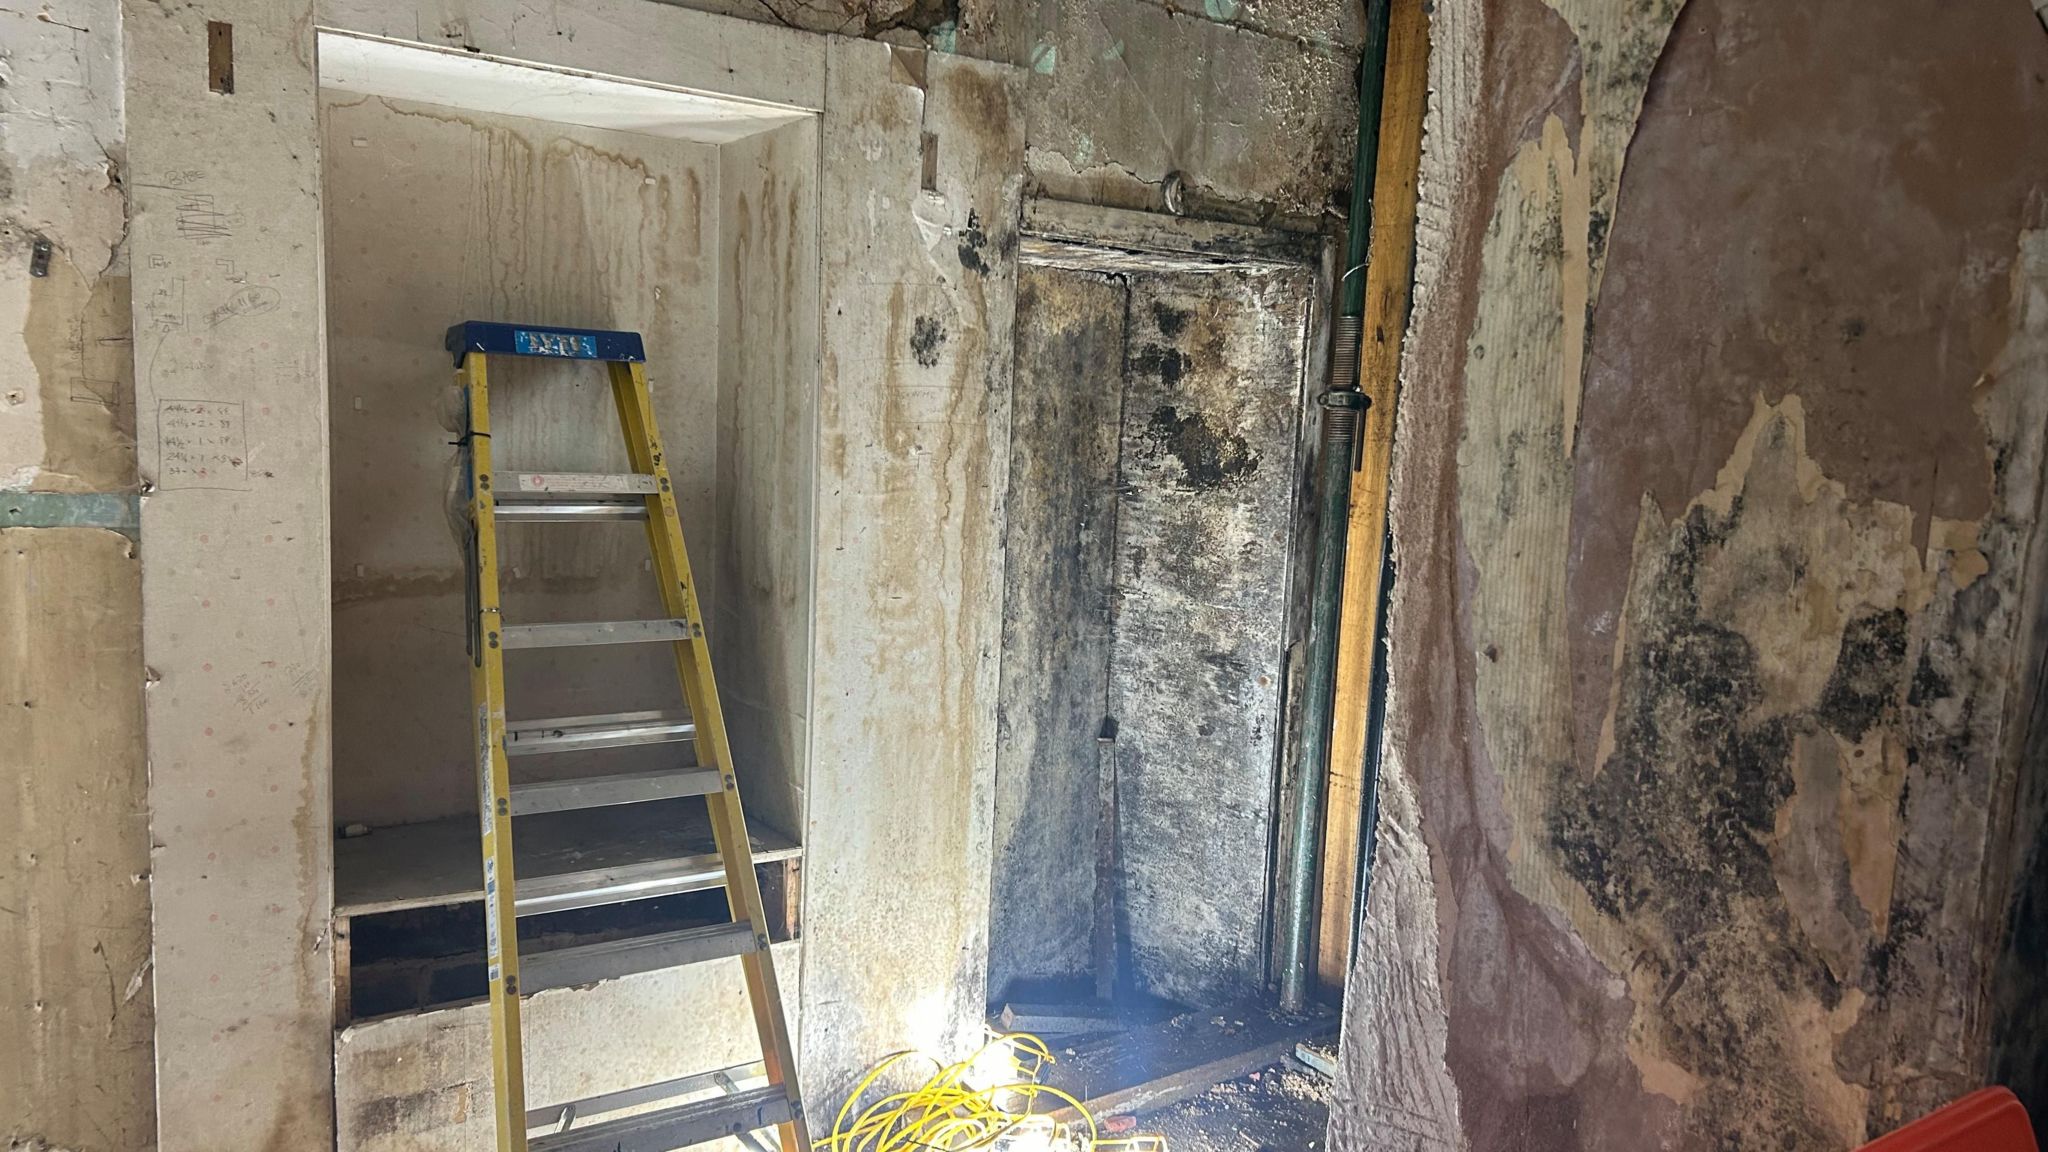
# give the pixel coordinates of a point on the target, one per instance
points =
(947, 1114)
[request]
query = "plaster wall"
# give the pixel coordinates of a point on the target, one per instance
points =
(75, 972)
(1252, 102)
(224, 242)
(227, 201)
(918, 281)
(905, 495)
(766, 460)
(1715, 506)
(420, 1082)
(435, 215)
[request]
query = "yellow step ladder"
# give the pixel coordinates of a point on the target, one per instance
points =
(643, 494)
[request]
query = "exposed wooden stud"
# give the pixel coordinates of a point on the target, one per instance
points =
(220, 57)
(1388, 278)
(782, 895)
(344, 1006)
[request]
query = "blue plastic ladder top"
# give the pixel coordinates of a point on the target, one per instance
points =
(542, 340)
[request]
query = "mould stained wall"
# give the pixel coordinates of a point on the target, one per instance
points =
(1253, 102)
(437, 215)
(919, 282)
(1714, 527)
(767, 432)
(2019, 995)
(1205, 489)
(1152, 459)
(1060, 522)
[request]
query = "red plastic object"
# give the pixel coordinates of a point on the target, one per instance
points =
(1988, 1120)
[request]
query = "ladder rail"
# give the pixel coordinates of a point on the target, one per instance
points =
(693, 664)
(545, 496)
(494, 780)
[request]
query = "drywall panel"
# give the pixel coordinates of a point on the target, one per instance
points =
(1060, 526)
(646, 42)
(74, 939)
(422, 1082)
(1205, 491)
(434, 216)
(767, 439)
(1714, 524)
(913, 434)
(224, 242)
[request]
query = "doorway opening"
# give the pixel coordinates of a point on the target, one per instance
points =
(1159, 493)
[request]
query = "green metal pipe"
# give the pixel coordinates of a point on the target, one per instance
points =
(1375, 737)
(1343, 407)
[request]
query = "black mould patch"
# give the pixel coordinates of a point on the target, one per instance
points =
(1172, 321)
(1210, 456)
(1929, 685)
(926, 337)
(1887, 977)
(973, 242)
(1597, 225)
(1166, 363)
(1671, 839)
(1861, 690)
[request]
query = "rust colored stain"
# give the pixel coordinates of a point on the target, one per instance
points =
(1842, 233)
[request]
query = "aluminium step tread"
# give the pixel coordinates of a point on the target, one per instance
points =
(643, 1094)
(569, 511)
(676, 1126)
(609, 730)
(581, 633)
(618, 788)
(434, 862)
(548, 486)
(543, 969)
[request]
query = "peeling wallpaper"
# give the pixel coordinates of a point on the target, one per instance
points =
(1716, 489)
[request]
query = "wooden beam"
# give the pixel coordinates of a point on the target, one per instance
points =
(1389, 276)
(344, 976)
(782, 894)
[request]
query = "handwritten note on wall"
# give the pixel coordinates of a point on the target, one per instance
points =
(202, 444)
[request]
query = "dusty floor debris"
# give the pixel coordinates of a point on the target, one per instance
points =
(1281, 1108)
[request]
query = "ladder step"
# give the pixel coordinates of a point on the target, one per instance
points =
(582, 733)
(595, 632)
(545, 486)
(596, 887)
(569, 511)
(611, 959)
(603, 791)
(677, 1126)
(624, 1098)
